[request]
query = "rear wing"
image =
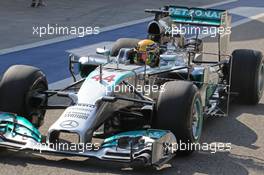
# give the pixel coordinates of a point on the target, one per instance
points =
(197, 16)
(193, 16)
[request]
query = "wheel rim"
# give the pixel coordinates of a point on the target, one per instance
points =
(261, 79)
(39, 87)
(197, 119)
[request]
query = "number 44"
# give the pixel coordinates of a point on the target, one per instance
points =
(109, 78)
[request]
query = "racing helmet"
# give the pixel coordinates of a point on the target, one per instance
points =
(147, 52)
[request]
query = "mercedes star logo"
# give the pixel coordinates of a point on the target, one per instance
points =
(69, 124)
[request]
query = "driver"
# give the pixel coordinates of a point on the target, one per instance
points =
(146, 52)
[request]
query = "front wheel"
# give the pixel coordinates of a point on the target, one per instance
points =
(18, 85)
(179, 109)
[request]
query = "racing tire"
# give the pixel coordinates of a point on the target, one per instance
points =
(123, 43)
(179, 109)
(18, 84)
(247, 76)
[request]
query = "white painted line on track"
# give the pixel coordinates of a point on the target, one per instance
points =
(218, 3)
(104, 29)
(243, 21)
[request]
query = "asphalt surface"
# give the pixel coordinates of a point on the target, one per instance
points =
(243, 128)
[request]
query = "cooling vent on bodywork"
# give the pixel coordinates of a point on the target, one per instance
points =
(154, 31)
(160, 28)
(153, 28)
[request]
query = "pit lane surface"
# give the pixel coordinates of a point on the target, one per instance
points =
(243, 128)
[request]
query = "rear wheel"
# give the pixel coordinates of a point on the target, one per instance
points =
(179, 109)
(18, 85)
(247, 75)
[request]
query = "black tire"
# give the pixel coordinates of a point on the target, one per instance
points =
(175, 108)
(123, 43)
(18, 84)
(247, 76)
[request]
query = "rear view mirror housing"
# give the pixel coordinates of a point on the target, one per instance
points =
(103, 51)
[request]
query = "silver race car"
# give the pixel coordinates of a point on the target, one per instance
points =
(142, 99)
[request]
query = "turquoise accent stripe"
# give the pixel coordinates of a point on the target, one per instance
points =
(152, 133)
(16, 125)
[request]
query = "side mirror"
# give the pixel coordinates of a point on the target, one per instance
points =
(103, 51)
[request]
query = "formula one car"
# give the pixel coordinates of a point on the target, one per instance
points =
(143, 97)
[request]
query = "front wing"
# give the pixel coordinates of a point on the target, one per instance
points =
(146, 147)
